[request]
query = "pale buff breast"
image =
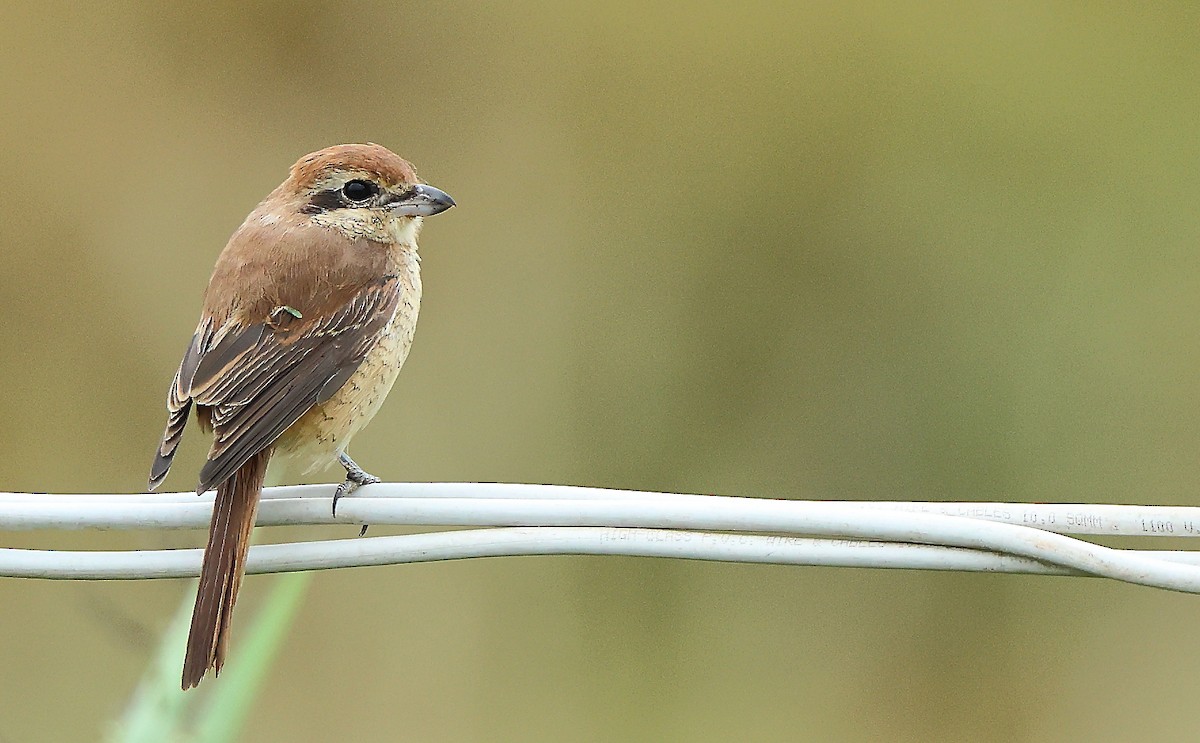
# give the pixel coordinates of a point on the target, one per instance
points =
(321, 434)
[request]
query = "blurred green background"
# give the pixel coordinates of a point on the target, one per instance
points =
(923, 251)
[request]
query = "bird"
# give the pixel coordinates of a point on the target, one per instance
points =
(306, 321)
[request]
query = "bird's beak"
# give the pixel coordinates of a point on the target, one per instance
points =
(420, 201)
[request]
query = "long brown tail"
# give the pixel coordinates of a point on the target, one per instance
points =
(224, 565)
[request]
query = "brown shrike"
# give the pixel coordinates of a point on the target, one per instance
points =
(307, 318)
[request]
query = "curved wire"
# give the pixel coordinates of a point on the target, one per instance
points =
(938, 536)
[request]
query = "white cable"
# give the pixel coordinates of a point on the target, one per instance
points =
(117, 511)
(556, 506)
(517, 541)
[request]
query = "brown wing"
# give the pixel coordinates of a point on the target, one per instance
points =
(252, 381)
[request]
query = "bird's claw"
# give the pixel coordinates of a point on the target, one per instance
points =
(353, 481)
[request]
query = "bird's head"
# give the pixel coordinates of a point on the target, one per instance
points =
(364, 191)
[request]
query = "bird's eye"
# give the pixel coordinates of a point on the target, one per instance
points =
(359, 190)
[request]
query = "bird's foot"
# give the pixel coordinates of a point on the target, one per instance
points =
(355, 477)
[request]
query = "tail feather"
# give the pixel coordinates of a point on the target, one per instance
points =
(224, 565)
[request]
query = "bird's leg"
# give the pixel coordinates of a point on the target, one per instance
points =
(355, 476)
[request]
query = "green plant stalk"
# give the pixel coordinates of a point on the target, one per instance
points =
(231, 698)
(159, 710)
(158, 706)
